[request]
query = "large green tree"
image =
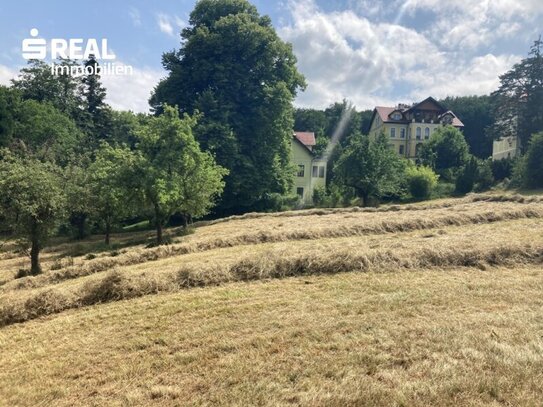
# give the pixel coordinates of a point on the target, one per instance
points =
(174, 174)
(233, 68)
(446, 149)
(32, 201)
(370, 167)
(518, 103)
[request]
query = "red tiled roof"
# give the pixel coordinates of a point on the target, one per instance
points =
(306, 138)
(383, 112)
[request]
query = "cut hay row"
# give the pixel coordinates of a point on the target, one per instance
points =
(116, 286)
(138, 256)
(386, 208)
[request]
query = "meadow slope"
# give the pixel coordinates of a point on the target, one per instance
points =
(433, 303)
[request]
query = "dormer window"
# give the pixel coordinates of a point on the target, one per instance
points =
(396, 116)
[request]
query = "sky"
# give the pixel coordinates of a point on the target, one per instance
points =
(380, 52)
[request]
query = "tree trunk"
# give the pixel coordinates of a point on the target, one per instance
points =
(35, 268)
(108, 233)
(81, 226)
(158, 223)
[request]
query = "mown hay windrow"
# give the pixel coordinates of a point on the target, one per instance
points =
(331, 231)
(270, 265)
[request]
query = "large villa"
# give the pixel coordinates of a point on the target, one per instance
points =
(409, 126)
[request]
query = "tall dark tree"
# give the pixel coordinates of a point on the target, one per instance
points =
(235, 70)
(94, 97)
(518, 103)
(476, 114)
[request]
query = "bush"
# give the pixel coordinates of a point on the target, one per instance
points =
(421, 181)
(502, 169)
(532, 167)
(484, 179)
(467, 177)
(476, 174)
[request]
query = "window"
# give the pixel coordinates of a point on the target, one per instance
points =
(402, 149)
(426, 133)
(321, 171)
(402, 133)
(397, 116)
(315, 171)
(393, 132)
(419, 131)
(301, 170)
(300, 192)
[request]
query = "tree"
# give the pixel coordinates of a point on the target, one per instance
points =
(371, 168)
(421, 181)
(111, 180)
(79, 195)
(518, 102)
(446, 149)
(32, 201)
(98, 111)
(63, 90)
(467, 177)
(234, 69)
(44, 132)
(9, 103)
(476, 114)
(175, 174)
(531, 165)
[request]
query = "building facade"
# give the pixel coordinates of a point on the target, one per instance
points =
(310, 170)
(408, 127)
(507, 147)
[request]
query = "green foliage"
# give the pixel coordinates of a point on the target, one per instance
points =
(32, 201)
(44, 132)
(421, 181)
(475, 175)
(371, 168)
(476, 114)
(446, 149)
(111, 177)
(174, 174)
(529, 169)
(234, 69)
(502, 169)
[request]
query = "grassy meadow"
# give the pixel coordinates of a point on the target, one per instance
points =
(437, 303)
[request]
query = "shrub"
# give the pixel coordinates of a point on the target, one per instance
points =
(467, 177)
(502, 169)
(320, 197)
(532, 171)
(421, 181)
(484, 179)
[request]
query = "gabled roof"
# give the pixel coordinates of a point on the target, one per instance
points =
(384, 114)
(306, 138)
(428, 99)
(455, 121)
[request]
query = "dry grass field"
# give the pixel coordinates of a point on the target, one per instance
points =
(437, 303)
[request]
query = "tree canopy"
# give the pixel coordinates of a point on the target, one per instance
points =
(234, 69)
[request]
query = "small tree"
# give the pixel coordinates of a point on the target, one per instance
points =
(371, 168)
(446, 149)
(111, 176)
(467, 177)
(421, 181)
(32, 201)
(176, 176)
(531, 165)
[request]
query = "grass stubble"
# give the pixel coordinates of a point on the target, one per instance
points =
(434, 306)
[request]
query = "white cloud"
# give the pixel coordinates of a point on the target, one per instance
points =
(131, 92)
(135, 16)
(371, 62)
(6, 75)
(170, 25)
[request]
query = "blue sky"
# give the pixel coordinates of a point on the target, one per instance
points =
(370, 52)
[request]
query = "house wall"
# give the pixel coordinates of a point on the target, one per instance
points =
(410, 141)
(301, 156)
(505, 148)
